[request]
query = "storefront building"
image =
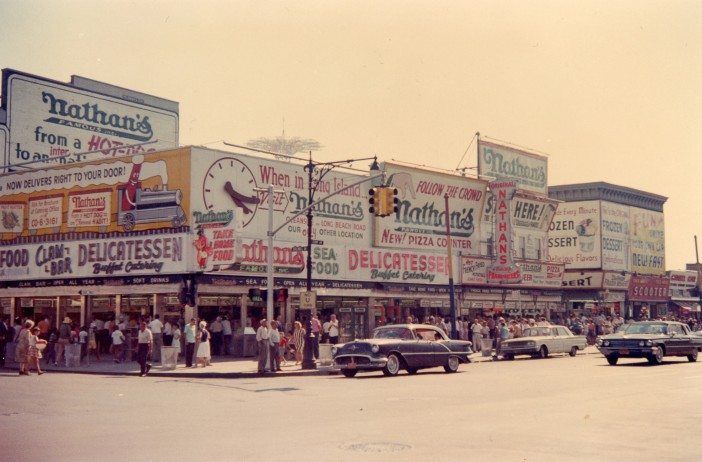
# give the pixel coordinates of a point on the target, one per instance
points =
(611, 240)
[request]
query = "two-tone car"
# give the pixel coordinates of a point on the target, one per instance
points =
(401, 346)
(543, 341)
(652, 340)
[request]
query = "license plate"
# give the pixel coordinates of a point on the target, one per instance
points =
(623, 351)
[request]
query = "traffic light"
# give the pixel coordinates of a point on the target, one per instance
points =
(373, 201)
(391, 201)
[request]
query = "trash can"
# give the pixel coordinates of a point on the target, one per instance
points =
(169, 357)
(325, 355)
(486, 346)
(72, 353)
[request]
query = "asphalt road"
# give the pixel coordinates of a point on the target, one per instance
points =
(558, 409)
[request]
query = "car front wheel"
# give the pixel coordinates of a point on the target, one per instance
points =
(612, 360)
(573, 351)
(349, 372)
(452, 364)
(393, 365)
(543, 352)
(692, 357)
(656, 358)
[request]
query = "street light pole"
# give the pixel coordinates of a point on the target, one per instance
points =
(449, 249)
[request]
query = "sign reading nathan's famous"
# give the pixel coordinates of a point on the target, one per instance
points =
(48, 120)
(420, 220)
(527, 170)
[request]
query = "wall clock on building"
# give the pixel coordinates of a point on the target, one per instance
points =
(230, 184)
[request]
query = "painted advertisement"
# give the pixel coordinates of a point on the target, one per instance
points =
(420, 221)
(647, 241)
(474, 271)
(89, 209)
(616, 280)
(12, 217)
(45, 212)
(136, 193)
(682, 280)
(127, 256)
(615, 236)
(48, 120)
(532, 213)
(223, 181)
(529, 171)
(574, 235)
(217, 240)
(582, 280)
(648, 288)
(503, 268)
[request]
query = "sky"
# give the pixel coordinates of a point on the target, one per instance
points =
(610, 91)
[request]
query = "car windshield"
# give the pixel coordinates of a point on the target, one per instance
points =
(536, 332)
(402, 333)
(646, 329)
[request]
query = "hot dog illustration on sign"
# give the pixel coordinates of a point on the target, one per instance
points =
(203, 247)
(232, 177)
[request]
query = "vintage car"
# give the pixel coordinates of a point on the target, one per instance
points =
(542, 341)
(401, 346)
(651, 340)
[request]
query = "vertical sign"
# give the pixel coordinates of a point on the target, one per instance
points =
(503, 269)
(615, 236)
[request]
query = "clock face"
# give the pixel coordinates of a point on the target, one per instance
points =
(230, 184)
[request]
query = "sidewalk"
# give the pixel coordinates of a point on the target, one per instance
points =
(222, 367)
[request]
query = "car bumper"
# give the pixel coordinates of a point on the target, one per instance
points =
(527, 350)
(360, 362)
(635, 352)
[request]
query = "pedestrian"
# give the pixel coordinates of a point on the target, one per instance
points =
(156, 328)
(316, 327)
(262, 340)
(144, 347)
(44, 325)
(503, 334)
(36, 344)
(203, 350)
(477, 330)
(50, 350)
(22, 347)
(325, 331)
(92, 342)
(227, 335)
(64, 338)
(190, 331)
(333, 330)
(175, 341)
(274, 344)
(216, 331)
(118, 340)
(83, 342)
(299, 341)
(5, 337)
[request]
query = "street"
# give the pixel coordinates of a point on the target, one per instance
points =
(558, 409)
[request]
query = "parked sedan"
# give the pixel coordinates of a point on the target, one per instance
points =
(542, 341)
(651, 340)
(401, 346)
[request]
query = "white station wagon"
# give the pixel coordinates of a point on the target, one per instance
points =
(542, 341)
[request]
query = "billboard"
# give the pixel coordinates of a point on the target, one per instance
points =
(474, 271)
(615, 236)
(529, 171)
(647, 241)
(648, 288)
(225, 183)
(420, 221)
(574, 235)
(49, 119)
(135, 193)
(123, 256)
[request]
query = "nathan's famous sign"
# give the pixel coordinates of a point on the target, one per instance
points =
(48, 120)
(529, 171)
(420, 220)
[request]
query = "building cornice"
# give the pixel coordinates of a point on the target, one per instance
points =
(607, 192)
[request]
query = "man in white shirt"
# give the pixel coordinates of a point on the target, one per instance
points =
(167, 333)
(227, 335)
(156, 328)
(262, 340)
(274, 340)
(333, 330)
(117, 345)
(145, 344)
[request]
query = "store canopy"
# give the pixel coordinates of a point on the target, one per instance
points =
(688, 307)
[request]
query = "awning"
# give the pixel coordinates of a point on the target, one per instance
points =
(687, 307)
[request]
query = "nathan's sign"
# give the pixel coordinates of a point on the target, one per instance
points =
(420, 221)
(503, 269)
(474, 271)
(527, 170)
(100, 257)
(48, 120)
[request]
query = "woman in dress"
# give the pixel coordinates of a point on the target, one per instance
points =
(203, 350)
(176, 333)
(92, 341)
(34, 352)
(299, 341)
(22, 348)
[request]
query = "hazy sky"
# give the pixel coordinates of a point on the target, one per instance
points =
(611, 91)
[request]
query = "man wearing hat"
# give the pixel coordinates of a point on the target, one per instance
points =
(64, 338)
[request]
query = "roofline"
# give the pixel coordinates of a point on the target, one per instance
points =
(601, 190)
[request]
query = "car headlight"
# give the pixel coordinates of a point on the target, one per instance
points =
(649, 343)
(605, 343)
(375, 348)
(334, 350)
(598, 341)
(642, 343)
(531, 343)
